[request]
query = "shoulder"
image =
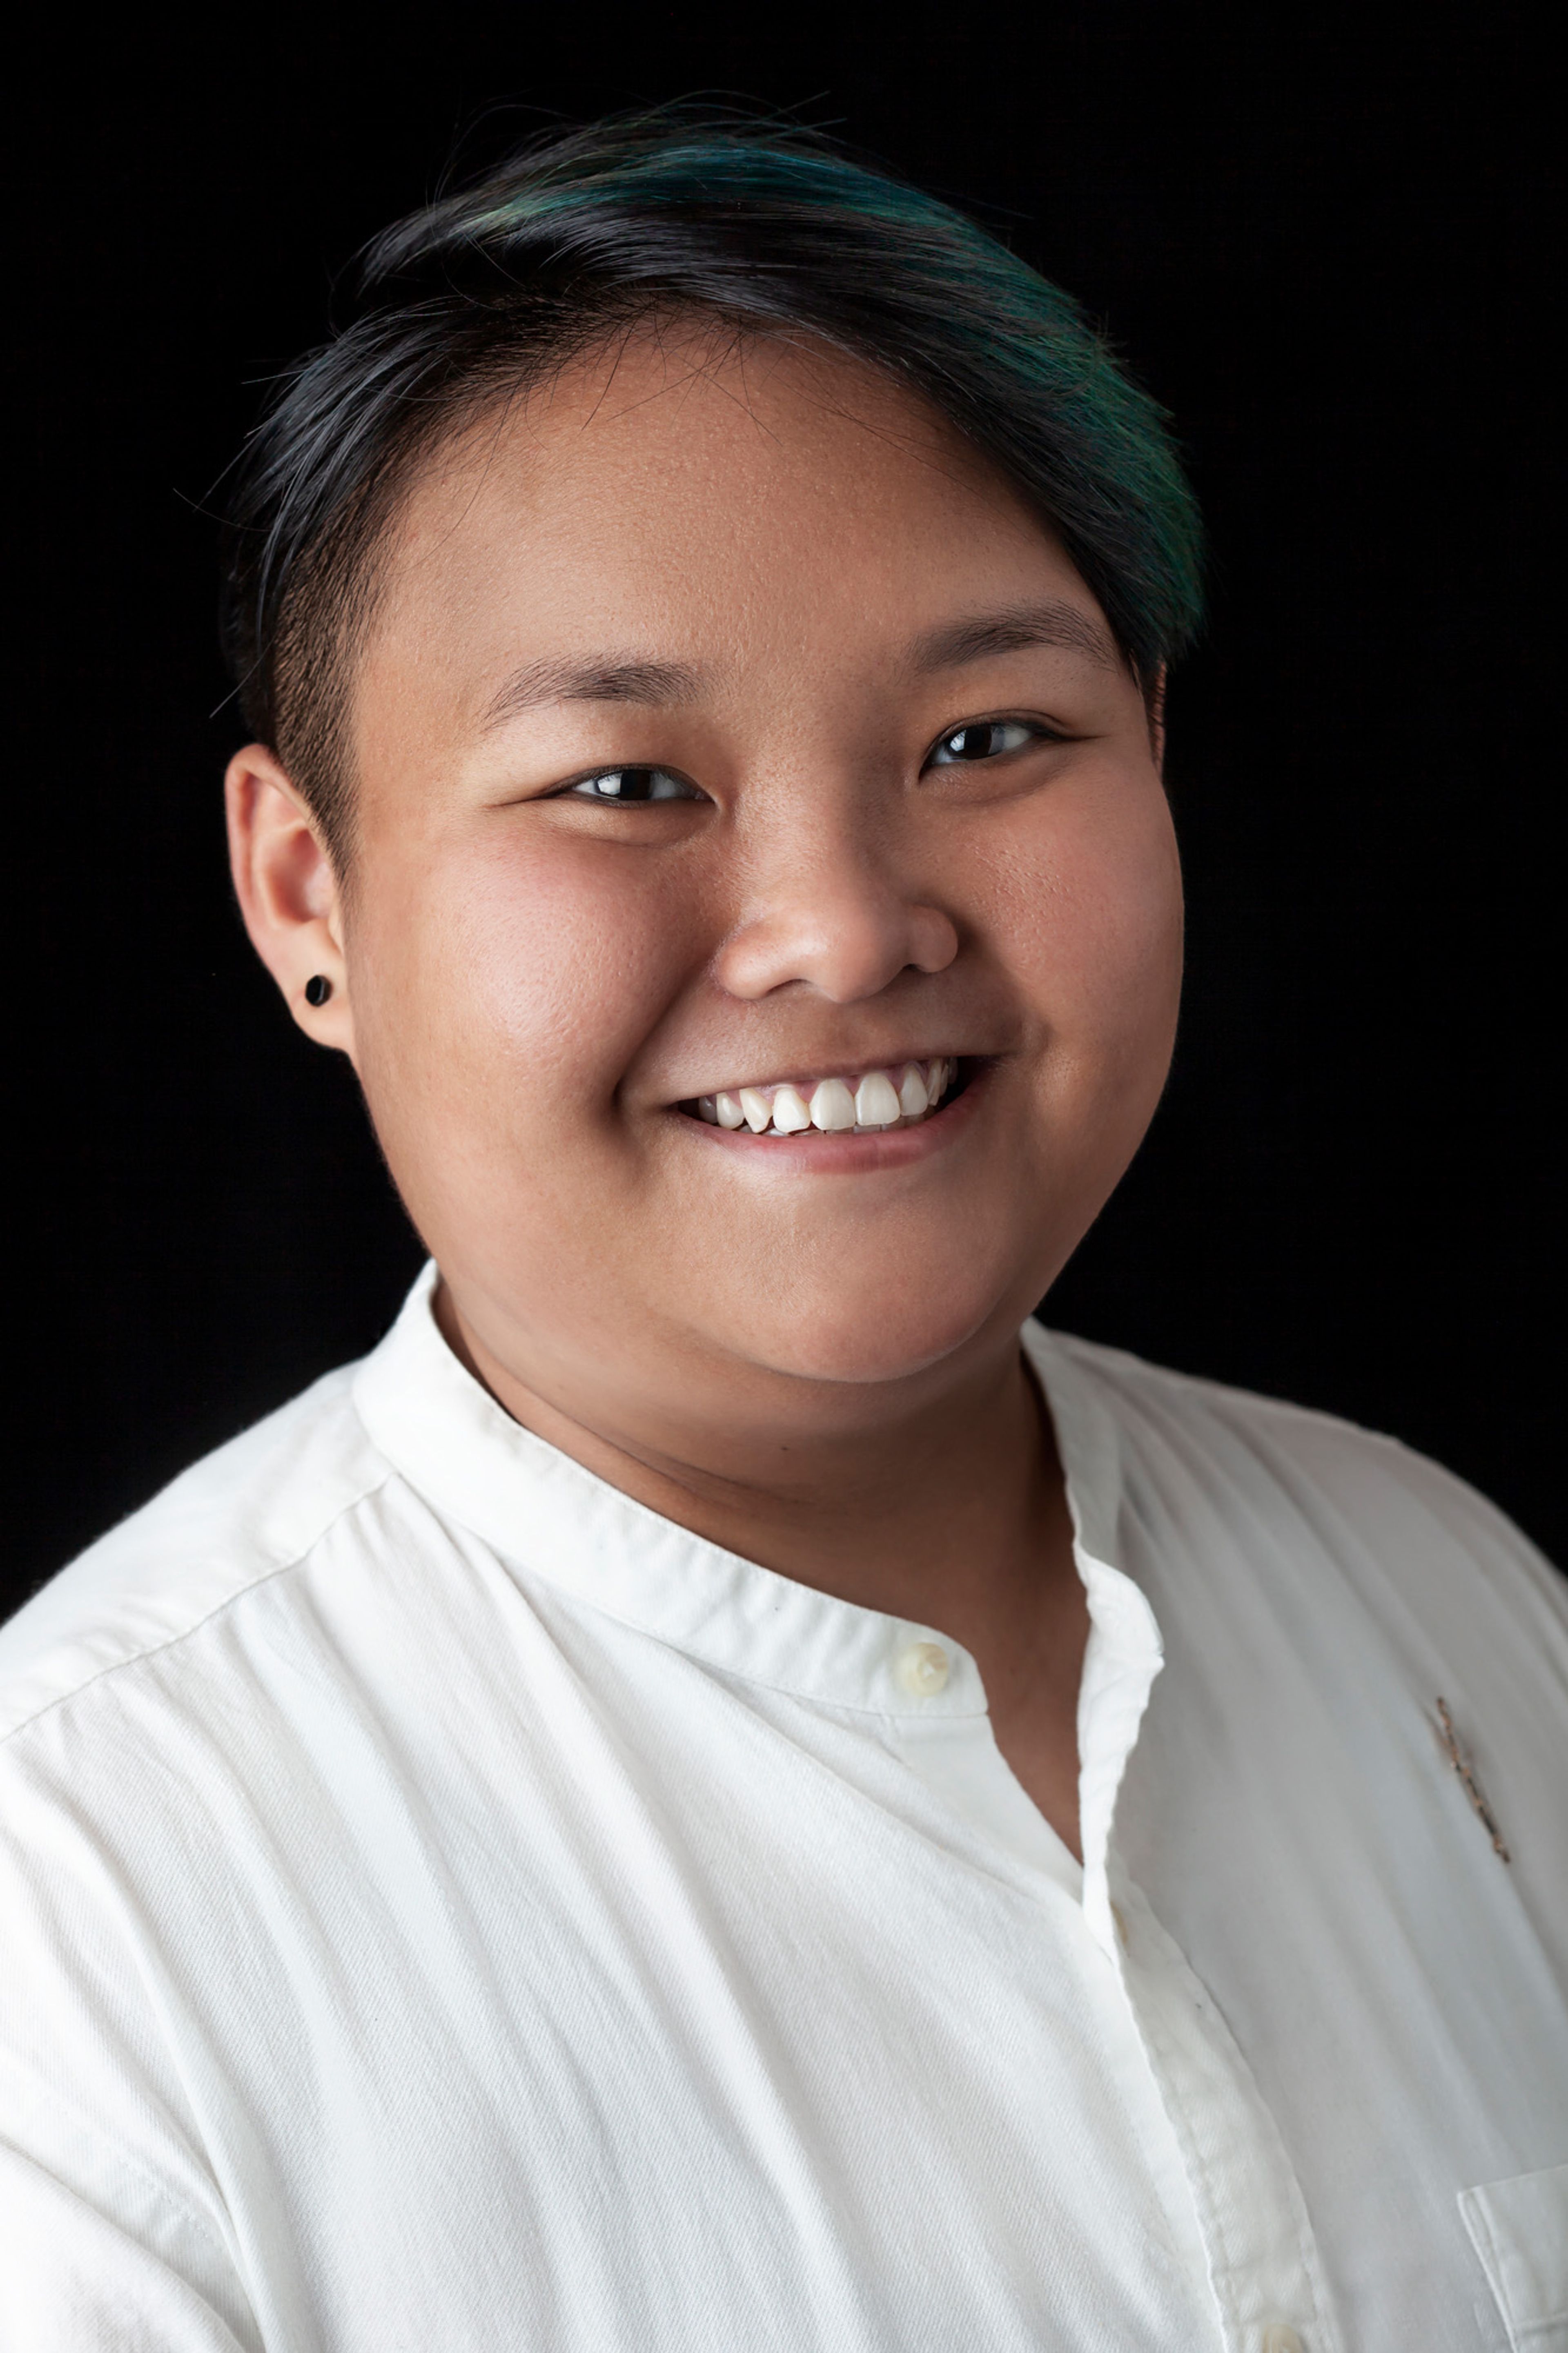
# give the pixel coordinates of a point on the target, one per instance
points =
(1302, 1492)
(1183, 1417)
(253, 1508)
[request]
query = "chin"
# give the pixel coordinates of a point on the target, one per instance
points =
(880, 1334)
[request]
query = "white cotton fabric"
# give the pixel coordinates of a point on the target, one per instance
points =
(443, 1904)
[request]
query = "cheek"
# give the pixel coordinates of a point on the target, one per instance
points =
(518, 979)
(1090, 908)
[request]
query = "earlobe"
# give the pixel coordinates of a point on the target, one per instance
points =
(288, 893)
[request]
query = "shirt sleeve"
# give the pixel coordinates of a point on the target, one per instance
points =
(114, 2232)
(86, 2268)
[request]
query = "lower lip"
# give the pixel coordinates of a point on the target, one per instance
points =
(817, 1153)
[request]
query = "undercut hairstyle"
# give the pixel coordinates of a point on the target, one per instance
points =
(580, 236)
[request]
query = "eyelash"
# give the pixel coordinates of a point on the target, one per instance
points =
(1033, 731)
(582, 788)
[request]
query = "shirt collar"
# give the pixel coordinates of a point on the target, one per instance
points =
(546, 1515)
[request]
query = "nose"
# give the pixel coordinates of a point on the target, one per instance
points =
(830, 914)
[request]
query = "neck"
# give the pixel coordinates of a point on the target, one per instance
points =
(952, 1515)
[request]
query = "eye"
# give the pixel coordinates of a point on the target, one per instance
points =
(621, 786)
(982, 739)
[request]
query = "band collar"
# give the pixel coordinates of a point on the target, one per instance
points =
(546, 1516)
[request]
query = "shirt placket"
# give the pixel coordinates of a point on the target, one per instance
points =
(1263, 2271)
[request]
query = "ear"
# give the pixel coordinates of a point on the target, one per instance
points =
(1156, 707)
(289, 892)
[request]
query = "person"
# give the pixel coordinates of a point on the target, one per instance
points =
(725, 1788)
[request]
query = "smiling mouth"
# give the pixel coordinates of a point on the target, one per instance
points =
(867, 1102)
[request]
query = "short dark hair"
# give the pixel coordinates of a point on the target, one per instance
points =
(578, 234)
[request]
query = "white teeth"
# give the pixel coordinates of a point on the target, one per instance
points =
(876, 1104)
(878, 1100)
(913, 1096)
(832, 1107)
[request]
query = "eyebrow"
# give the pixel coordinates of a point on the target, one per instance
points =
(608, 678)
(602, 678)
(1013, 629)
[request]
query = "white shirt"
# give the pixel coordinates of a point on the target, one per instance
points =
(444, 1906)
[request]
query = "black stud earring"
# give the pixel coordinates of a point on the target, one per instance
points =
(318, 988)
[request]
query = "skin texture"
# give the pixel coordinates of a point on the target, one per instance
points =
(806, 1350)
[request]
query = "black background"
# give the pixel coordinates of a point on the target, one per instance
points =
(1325, 244)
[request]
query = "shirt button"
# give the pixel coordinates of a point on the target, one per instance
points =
(923, 1669)
(1281, 2337)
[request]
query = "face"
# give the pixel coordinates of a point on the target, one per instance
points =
(732, 747)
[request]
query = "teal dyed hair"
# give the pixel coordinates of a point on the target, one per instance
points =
(767, 228)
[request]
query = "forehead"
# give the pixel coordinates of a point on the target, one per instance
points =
(760, 497)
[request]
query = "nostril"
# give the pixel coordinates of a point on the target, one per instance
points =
(848, 944)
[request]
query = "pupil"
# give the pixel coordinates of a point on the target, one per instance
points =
(974, 742)
(634, 784)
